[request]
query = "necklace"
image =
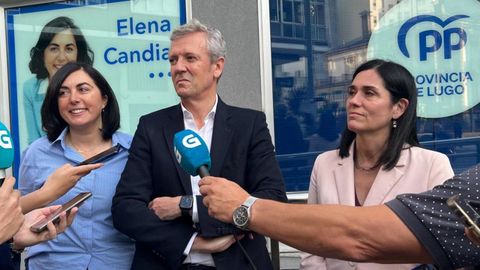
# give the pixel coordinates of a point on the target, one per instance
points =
(361, 168)
(70, 142)
(364, 169)
(83, 151)
(370, 169)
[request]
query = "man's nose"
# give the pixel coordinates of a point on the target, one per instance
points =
(180, 66)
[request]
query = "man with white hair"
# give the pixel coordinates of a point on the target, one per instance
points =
(158, 204)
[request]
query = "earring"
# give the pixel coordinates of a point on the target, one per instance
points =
(394, 124)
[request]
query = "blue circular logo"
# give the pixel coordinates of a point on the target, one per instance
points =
(438, 42)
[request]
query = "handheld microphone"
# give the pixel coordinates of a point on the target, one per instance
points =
(192, 153)
(6, 151)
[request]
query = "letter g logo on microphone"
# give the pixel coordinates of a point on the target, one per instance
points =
(190, 141)
(5, 141)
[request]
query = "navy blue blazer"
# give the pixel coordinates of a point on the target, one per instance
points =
(241, 151)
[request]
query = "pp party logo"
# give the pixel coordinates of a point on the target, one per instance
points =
(437, 41)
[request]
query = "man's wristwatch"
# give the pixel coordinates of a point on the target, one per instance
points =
(241, 215)
(186, 205)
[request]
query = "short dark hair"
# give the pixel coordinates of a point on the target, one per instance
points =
(52, 121)
(401, 84)
(53, 27)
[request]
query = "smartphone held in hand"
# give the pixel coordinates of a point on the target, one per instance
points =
(101, 156)
(41, 224)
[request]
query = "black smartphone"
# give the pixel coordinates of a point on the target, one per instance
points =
(41, 224)
(101, 156)
(466, 210)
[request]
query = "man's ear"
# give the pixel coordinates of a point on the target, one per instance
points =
(218, 68)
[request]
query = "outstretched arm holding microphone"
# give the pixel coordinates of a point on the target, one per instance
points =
(413, 228)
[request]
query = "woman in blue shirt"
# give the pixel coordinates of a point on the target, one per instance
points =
(60, 42)
(81, 117)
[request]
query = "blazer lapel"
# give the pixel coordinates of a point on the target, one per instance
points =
(221, 138)
(388, 179)
(344, 180)
(175, 125)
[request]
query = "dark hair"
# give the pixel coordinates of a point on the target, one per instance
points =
(53, 27)
(52, 121)
(401, 84)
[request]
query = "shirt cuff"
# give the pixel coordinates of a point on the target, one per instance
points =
(194, 210)
(186, 251)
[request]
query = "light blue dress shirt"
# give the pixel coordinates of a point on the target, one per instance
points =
(91, 241)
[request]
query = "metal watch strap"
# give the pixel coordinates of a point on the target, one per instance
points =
(249, 201)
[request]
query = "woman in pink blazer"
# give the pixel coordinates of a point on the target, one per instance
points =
(379, 155)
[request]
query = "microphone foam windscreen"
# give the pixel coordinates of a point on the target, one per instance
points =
(6, 147)
(191, 151)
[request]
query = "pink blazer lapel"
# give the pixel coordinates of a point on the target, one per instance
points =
(344, 181)
(385, 181)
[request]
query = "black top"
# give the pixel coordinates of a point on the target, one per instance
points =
(435, 225)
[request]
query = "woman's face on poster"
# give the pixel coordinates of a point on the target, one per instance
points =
(61, 50)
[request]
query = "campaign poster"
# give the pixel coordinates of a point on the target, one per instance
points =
(127, 41)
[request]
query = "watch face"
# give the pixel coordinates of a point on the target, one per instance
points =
(186, 202)
(240, 217)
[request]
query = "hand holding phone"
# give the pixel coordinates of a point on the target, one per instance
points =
(101, 156)
(25, 237)
(467, 213)
(41, 224)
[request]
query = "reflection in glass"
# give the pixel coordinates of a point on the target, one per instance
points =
(316, 46)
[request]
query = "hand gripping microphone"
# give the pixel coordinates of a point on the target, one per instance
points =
(192, 153)
(6, 151)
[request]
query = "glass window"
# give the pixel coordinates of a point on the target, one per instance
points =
(311, 73)
(287, 11)
(318, 22)
(274, 11)
(299, 10)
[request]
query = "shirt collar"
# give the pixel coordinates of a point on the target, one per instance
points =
(188, 115)
(62, 138)
(122, 140)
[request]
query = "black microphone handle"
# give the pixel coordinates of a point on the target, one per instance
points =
(2, 176)
(203, 171)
